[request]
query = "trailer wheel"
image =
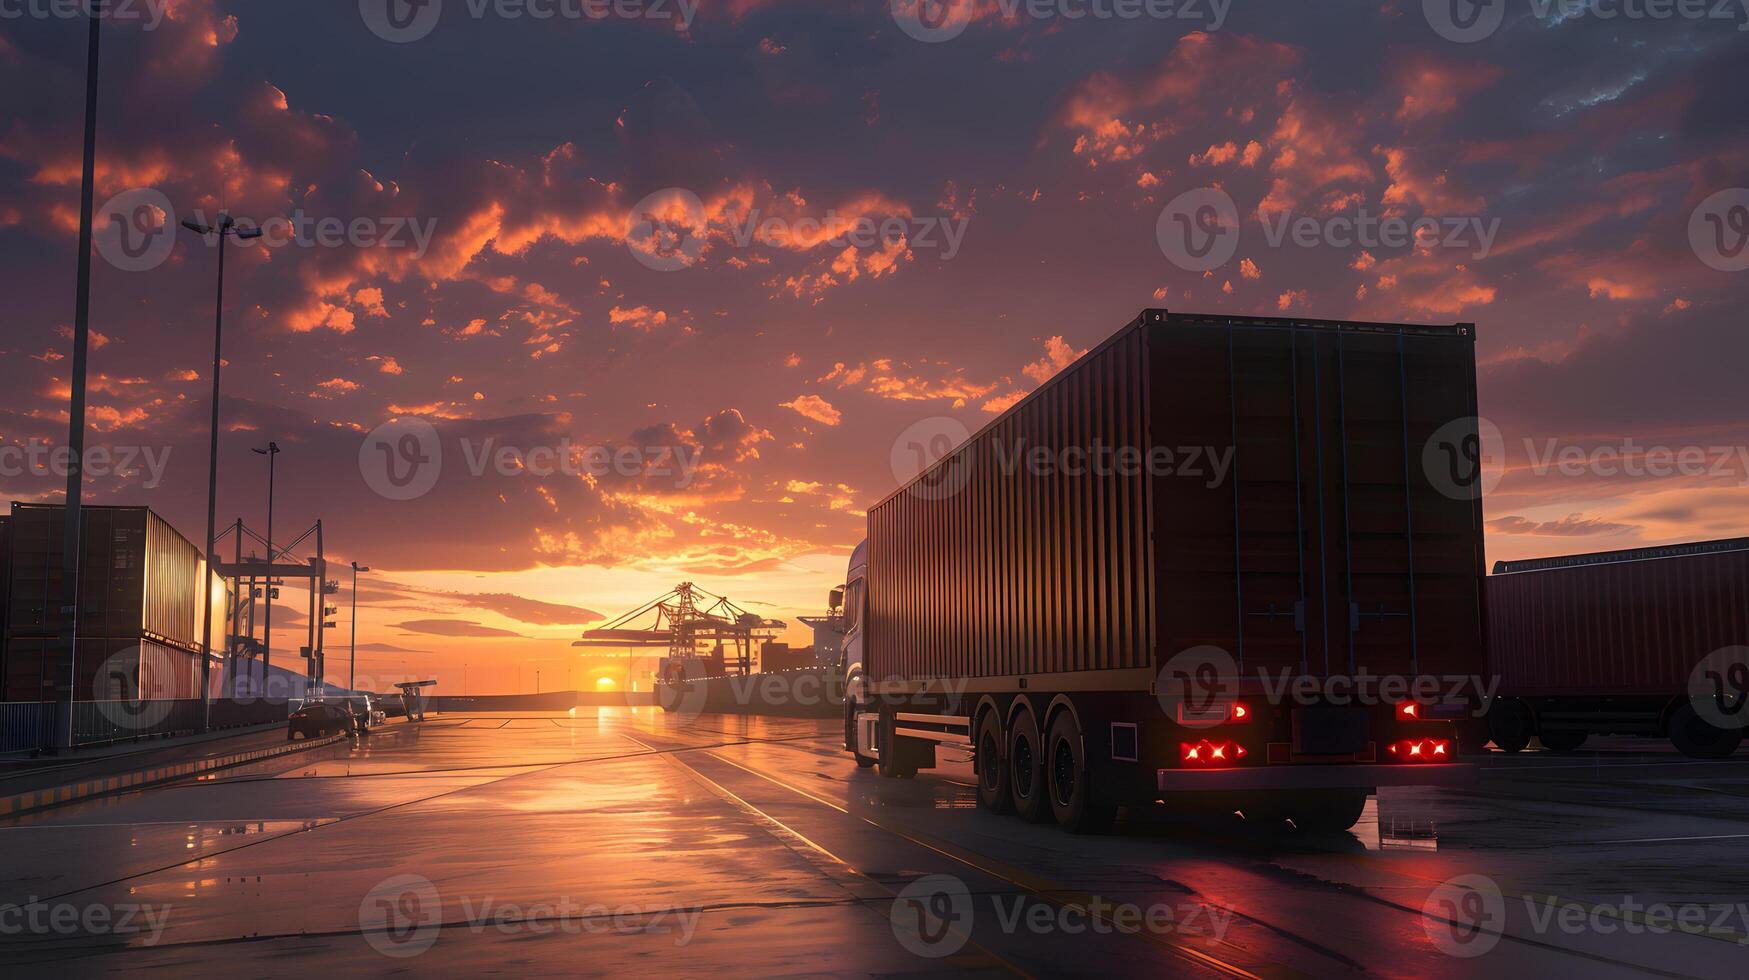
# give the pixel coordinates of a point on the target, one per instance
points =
(993, 781)
(1564, 740)
(890, 763)
(1327, 811)
(862, 761)
(1026, 770)
(1071, 791)
(1695, 737)
(1510, 725)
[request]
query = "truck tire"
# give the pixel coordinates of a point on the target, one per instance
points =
(1510, 725)
(1563, 740)
(892, 764)
(1067, 779)
(1026, 770)
(1696, 738)
(862, 761)
(993, 792)
(1327, 811)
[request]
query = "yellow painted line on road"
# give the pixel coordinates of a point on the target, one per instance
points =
(1042, 888)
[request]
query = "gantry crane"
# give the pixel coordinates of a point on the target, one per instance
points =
(683, 620)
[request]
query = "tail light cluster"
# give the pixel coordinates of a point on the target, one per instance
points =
(1217, 713)
(1421, 750)
(1208, 752)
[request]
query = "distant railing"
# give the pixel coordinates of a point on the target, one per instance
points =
(28, 724)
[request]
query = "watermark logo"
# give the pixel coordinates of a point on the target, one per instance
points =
(135, 230)
(1199, 229)
(1465, 457)
(400, 21)
(1718, 688)
(1465, 915)
(121, 699)
(683, 690)
(935, 21)
(920, 447)
(665, 230)
(932, 21)
(1196, 687)
(932, 916)
(401, 916)
(1718, 230)
(1464, 21)
(401, 459)
(1469, 21)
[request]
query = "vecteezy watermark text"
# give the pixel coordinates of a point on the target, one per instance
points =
(935, 21)
(401, 21)
(1469, 21)
(922, 231)
(1467, 915)
(934, 916)
(41, 457)
(147, 13)
(403, 459)
(403, 915)
(46, 918)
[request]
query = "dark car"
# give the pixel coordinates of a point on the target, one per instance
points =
(319, 719)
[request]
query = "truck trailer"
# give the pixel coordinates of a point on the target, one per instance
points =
(1647, 641)
(1169, 573)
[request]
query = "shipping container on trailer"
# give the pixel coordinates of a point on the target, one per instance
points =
(1271, 489)
(5, 599)
(138, 607)
(1620, 642)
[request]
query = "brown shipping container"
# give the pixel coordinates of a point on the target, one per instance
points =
(1616, 623)
(137, 577)
(1296, 526)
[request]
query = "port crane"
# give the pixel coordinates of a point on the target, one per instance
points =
(684, 619)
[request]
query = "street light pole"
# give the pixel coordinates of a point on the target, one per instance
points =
(66, 674)
(352, 666)
(226, 228)
(270, 452)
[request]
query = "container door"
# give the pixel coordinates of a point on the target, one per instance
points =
(1395, 586)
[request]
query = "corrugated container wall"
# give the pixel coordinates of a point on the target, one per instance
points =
(1634, 622)
(982, 568)
(138, 620)
(1282, 510)
(5, 597)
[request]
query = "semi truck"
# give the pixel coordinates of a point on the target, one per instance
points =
(1185, 570)
(1646, 641)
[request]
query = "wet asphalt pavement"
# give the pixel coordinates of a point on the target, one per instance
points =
(620, 841)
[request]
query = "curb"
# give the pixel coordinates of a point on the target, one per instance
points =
(54, 796)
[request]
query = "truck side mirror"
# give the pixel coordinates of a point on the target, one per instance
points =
(836, 600)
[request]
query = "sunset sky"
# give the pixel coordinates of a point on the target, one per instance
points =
(541, 313)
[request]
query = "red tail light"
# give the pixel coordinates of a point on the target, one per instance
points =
(1210, 753)
(1421, 750)
(1409, 711)
(1240, 711)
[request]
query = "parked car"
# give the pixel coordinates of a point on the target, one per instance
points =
(320, 719)
(368, 709)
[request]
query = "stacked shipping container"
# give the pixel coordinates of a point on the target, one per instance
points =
(139, 623)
